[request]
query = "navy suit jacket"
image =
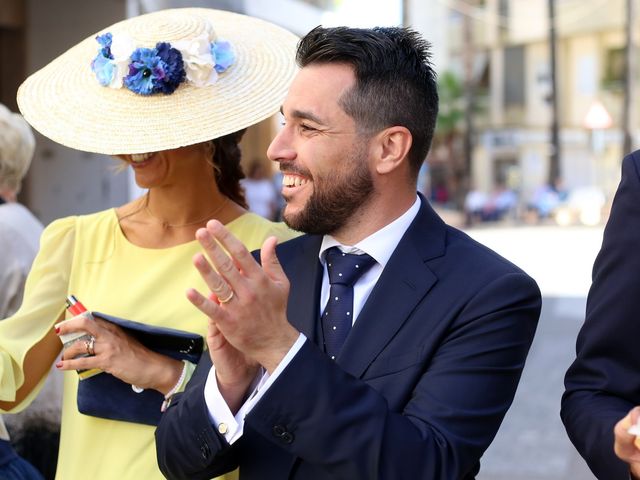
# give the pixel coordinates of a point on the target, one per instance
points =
(418, 392)
(603, 383)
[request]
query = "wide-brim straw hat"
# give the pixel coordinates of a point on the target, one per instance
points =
(65, 101)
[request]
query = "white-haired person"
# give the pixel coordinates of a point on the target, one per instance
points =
(19, 229)
(19, 236)
(170, 94)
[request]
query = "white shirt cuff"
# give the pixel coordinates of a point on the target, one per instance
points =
(229, 425)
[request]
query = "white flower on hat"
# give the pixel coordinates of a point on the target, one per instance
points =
(198, 60)
(122, 46)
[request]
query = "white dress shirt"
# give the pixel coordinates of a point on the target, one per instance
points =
(379, 245)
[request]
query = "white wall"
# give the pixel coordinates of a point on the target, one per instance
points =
(430, 18)
(295, 16)
(300, 17)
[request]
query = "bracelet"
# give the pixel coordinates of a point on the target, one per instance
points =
(176, 387)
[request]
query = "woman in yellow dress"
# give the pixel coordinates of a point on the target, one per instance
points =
(153, 91)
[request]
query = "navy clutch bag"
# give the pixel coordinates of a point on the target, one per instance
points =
(106, 396)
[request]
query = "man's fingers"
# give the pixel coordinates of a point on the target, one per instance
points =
(215, 338)
(240, 256)
(628, 421)
(219, 259)
(214, 281)
(634, 414)
(270, 263)
(634, 417)
(202, 303)
(621, 428)
(626, 444)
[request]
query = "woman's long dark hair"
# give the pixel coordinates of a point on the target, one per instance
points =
(226, 166)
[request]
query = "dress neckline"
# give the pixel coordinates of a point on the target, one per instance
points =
(120, 236)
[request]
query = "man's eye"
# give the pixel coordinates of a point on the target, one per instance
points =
(306, 128)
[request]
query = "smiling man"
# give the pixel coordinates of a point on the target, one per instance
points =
(382, 344)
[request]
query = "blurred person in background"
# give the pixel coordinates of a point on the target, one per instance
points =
(500, 204)
(19, 229)
(603, 383)
(276, 181)
(259, 190)
(19, 237)
(424, 179)
(474, 204)
(170, 94)
(544, 201)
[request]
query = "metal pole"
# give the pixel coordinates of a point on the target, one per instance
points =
(469, 96)
(554, 157)
(405, 13)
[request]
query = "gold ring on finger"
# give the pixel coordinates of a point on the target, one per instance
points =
(227, 298)
(89, 345)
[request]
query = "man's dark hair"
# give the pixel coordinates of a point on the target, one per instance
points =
(395, 81)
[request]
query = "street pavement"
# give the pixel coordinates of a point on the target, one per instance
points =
(531, 443)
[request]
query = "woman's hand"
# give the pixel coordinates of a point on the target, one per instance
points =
(117, 353)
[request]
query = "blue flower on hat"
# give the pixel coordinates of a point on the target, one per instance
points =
(102, 65)
(142, 69)
(103, 68)
(156, 70)
(105, 42)
(162, 69)
(173, 67)
(223, 55)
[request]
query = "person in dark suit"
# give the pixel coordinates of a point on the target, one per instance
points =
(603, 383)
(406, 373)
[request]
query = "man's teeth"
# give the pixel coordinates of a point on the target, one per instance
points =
(140, 157)
(293, 181)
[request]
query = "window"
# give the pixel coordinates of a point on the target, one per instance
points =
(514, 76)
(614, 64)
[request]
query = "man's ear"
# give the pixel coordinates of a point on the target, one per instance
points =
(393, 145)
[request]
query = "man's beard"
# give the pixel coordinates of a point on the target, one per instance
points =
(334, 199)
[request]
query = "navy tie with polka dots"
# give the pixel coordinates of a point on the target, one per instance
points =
(344, 271)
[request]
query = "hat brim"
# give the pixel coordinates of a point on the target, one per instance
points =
(65, 102)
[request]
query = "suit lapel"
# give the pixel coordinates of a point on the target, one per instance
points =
(404, 282)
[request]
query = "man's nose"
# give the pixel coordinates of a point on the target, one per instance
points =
(280, 147)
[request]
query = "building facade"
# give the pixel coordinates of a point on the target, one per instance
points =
(511, 76)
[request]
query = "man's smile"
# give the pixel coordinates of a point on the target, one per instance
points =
(293, 180)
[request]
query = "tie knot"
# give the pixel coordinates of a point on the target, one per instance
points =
(346, 268)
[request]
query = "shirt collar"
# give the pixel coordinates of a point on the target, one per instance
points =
(381, 244)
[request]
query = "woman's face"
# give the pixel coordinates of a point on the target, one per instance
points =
(169, 167)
